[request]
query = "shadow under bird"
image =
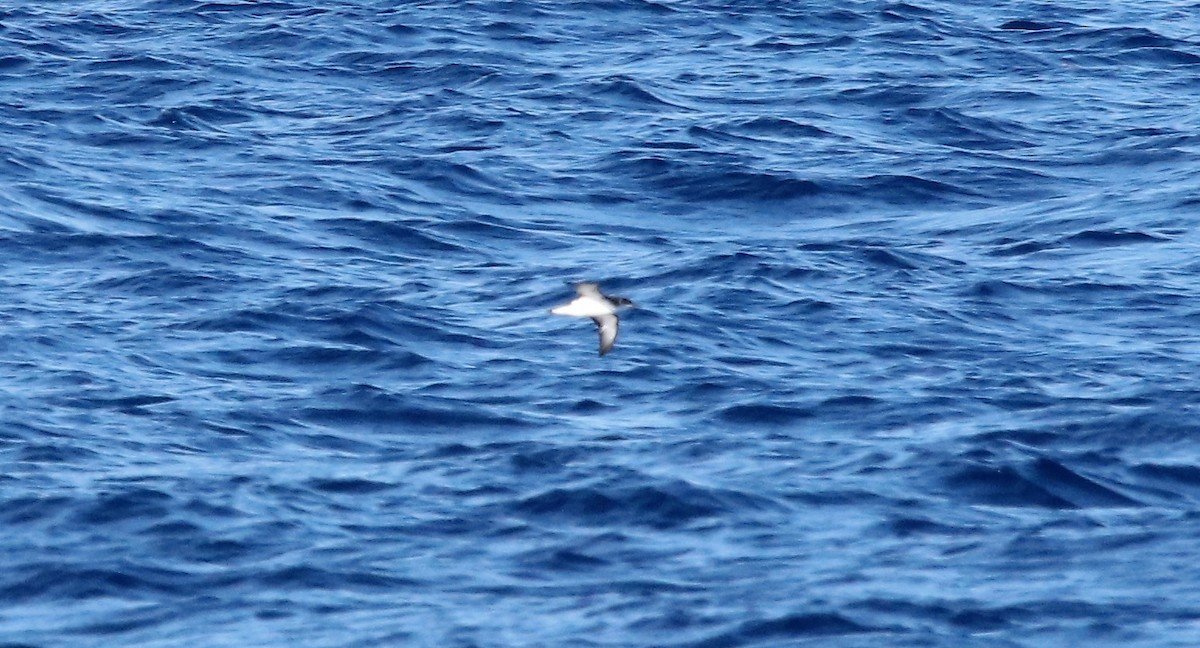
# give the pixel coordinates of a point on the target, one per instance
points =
(590, 302)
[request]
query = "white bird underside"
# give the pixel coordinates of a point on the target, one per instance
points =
(591, 303)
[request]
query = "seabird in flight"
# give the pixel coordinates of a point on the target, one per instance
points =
(590, 302)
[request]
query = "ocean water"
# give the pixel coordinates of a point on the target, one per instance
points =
(915, 361)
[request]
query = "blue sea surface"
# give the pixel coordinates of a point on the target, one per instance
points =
(915, 361)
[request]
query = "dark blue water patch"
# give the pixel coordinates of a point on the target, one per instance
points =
(97, 23)
(91, 209)
(561, 560)
(758, 128)
(1102, 47)
(525, 34)
(960, 130)
(468, 123)
(911, 189)
(709, 177)
(958, 616)
(661, 506)
(75, 582)
(1002, 486)
(1121, 39)
(1082, 490)
(453, 177)
(128, 622)
(54, 454)
(363, 61)
(854, 403)
(454, 77)
(886, 95)
(793, 627)
(629, 94)
(204, 546)
(139, 504)
(135, 62)
(486, 229)
(782, 44)
(126, 404)
(676, 146)
(383, 411)
(202, 118)
(887, 259)
(360, 333)
(1033, 25)
(241, 10)
(1042, 482)
(1102, 238)
(911, 526)
(1165, 56)
(1179, 475)
(309, 577)
(349, 486)
(538, 459)
(13, 63)
(316, 357)
(28, 510)
(110, 255)
(126, 88)
(764, 414)
(158, 280)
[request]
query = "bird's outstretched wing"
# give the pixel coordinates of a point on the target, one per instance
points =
(607, 325)
(588, 289)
